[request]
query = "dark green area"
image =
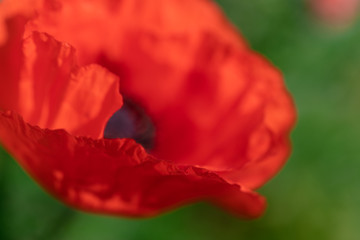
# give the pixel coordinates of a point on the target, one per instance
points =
(316, 195)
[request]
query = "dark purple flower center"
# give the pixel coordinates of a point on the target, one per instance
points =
(131, 121)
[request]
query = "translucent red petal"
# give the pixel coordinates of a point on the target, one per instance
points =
(115, 176)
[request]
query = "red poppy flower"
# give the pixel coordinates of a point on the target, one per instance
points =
(214, 116)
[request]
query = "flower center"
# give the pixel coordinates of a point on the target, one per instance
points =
(131, 121)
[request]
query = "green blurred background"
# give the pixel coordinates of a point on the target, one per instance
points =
(315, 196)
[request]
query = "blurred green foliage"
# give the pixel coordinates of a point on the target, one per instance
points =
(316, 195)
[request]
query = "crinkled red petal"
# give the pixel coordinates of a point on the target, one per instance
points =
(56, 93)
(13, 17)
(41, 80)
(115, 176)
(11, 60)
(100, 26)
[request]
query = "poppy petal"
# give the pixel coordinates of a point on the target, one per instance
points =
(268, 144)
(11, 61)
(115, 176)
(45, 85)
(150, 18)
(13, 17)
(56, 93)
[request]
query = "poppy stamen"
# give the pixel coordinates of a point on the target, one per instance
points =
(131, 121)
